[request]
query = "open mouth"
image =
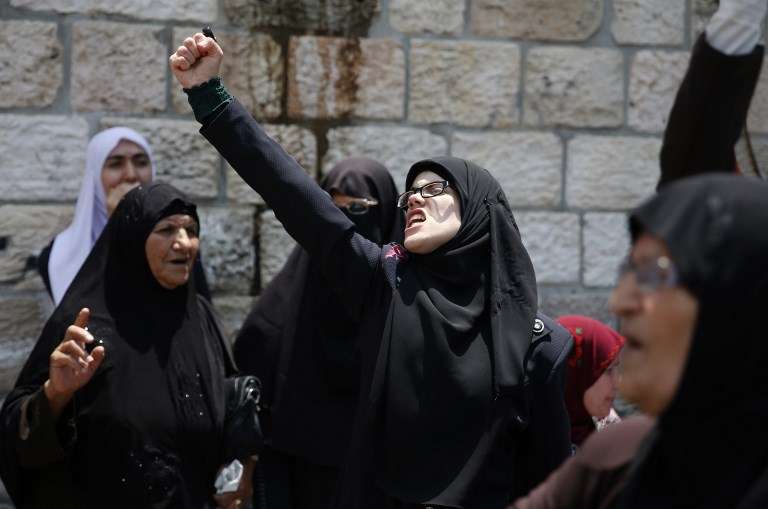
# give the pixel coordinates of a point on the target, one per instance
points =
(180, 262)
(415, 217)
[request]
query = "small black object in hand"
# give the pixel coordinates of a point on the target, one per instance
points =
(208, 32)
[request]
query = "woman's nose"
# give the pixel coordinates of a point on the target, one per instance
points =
(182, 240)
(129, 173)
(625, 299)
(415, 200)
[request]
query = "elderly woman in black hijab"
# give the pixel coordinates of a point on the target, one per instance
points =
(461, 384)
(695, 276)
(136, 421)
(299, 340)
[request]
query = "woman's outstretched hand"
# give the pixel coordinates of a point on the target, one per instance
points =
(71, 366)
(196, 61)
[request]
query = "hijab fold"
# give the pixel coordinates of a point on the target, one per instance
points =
(71, 247)
(709, 449)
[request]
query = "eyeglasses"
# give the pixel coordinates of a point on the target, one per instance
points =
(651, 275)
(359, 206)
(426, 191)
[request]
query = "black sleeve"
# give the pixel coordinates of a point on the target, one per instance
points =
(42, 439)
(546, 442)
(709, 112)
(349, 261)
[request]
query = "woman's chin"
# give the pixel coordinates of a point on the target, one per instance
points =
(414, 243)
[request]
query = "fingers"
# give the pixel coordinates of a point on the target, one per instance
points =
(77, 334)
(82, 318)
(81, 359)
(97, 356)
(184, 56)
(63, 360)
(179, 63)
(206, 45)
(191, 45)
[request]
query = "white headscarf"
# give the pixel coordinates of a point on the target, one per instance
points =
(71, 247)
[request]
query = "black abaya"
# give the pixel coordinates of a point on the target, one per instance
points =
(300, 340)
(146, 429)
(525, 432)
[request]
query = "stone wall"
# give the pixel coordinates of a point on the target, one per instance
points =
(564, 101)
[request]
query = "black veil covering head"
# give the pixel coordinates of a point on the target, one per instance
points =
(710, 445)
(365, 178)
(299, 339)
(148, 423)
(455, 345)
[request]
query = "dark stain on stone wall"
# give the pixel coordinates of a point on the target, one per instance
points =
(349, 59)
(330, 17)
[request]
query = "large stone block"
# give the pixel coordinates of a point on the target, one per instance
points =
(397, 148)
(467, 83)
(579, 87)
(298, 141)
(24, 231)
(556, 302)
(611, 172)
(201, 10)
(275, 245)
(232, 311)
(757, 120)
(554, 20)
(110, 75)
(528, 165)
(606, 243)
(252, 71)
(42, 157)
(655, 77)
(183, 157)
(435, 16)
(31, 64)
(331, 77)
(649, 21)
(21, 320)
(327, 16)
(226, 246)
(552, 241)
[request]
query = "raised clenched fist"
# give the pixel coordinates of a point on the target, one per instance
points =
(196, 61)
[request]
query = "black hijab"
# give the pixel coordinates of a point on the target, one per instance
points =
(710, 445)
(148, 424)
(300, 340)
(454, 347)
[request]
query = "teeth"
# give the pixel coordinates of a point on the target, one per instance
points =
(417, 219)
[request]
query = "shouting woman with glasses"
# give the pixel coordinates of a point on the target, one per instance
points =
(300, 340)
(461, 400)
